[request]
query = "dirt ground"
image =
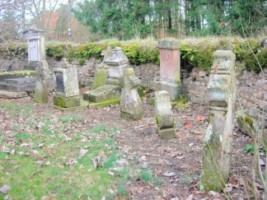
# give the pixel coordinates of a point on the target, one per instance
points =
(176, 163)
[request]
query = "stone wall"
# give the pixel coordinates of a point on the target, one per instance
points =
(251, 87)
(251, 92)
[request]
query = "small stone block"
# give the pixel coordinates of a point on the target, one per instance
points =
(104, 103)
(66, 102)
(167, 134)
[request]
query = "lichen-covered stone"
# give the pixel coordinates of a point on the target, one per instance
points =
(66, 102)
(67, 92)
(164, 115)
(100, 78)
(102, 93)
(41, 87)
(130, 102)
(217, 151)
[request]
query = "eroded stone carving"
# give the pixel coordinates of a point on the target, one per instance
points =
(164, 115)
(216, 159)
(130, 102)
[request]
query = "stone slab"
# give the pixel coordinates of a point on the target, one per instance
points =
(83, 105)
(102, 93)
(12, 95)
(167, 134)
(104, 103)
(66, 102)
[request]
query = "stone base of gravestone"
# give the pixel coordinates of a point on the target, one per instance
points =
(103, 93)
(174, 89)
(164, 115)
(66, 102)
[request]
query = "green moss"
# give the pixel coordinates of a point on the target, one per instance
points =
(104, 103)
(100, 78)
(157, 119)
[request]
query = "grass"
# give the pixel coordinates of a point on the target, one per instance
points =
(47, 162)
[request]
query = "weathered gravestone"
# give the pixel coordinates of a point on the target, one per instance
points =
(105, 95)
(41, 86)
(130, 102)
(101, 74)
(164, 115)
(36, 47)
(170, 66)
(216, 158)
(67, 92)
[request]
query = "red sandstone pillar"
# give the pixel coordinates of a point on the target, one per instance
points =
(170, 66)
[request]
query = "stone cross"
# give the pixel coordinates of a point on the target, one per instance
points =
(67, 92)
(130, 102)
(170, 66)
(164, 115)
(217, 151)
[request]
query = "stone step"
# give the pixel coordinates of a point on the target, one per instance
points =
(12, 95)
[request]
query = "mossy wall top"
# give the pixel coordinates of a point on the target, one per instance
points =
(194, 52)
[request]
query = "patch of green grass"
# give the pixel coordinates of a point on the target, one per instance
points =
(68, 118)
(15, 109)
(147, 176)
(45, 164)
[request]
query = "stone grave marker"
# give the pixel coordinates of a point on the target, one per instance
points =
(217, 151)
(41, 86)
(170, 67)
(67, 92)
(164, 115)
(116, 63)
(130, 102)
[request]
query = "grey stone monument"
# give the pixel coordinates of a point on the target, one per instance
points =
(41, 86)
(116, 63)
(164, 115)
(130, 102)
(170, 67)
(216, 158)
(67, 92)
(36, 47)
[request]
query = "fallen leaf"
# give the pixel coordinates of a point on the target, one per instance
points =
(82, 152)
(169, 174)
(4, 189)
(188, 124)
(200, 118)
(190, 197)
(228, 188)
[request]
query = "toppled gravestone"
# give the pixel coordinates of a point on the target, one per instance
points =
(130, 102)
(217, 151)
(67, 92)
(164, 115)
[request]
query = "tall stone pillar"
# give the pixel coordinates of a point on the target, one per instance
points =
(41, 85)
(170, 66)
(217, 151)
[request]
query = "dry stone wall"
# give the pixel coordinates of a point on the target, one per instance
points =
(251, 87)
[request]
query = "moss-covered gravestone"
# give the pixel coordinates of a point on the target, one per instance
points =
(109, 93)
(164, 115)
(216, 158)
(67, 92)
(130, 102)
(41, 87)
